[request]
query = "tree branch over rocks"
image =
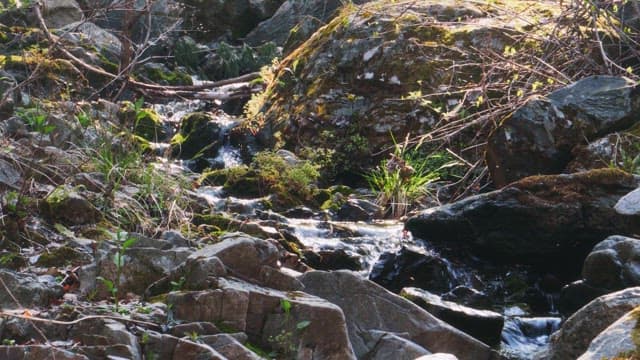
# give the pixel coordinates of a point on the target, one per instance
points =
(234, 88)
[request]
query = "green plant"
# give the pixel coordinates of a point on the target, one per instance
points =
(285, 339)
(36, 119)
(123, 242)
(405, 176)
(177, 285)
(83, 119)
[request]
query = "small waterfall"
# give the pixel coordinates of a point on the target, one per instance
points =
(523, 338)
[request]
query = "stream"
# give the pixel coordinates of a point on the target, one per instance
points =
(525, 332)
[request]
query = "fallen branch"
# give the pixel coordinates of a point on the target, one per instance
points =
(84, 318)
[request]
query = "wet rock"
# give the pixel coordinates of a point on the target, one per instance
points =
(466, 295)
(305, 324)
(161, 74)
(484, 325)
(547, 129)
(358, 210)
(30, 291)
(148, 125)
(386, 345)
(576, 295)
(522, 337)
(368, 306)
(68, 205)
(58, 13)
(278, 28)
(412, 266)
(579, 329)
(617, 340)
(629, 204)
(38, 352)
(198, 135)
(332, 259)
(534, 220)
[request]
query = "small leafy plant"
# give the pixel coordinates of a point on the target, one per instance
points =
(36, 119)
(123, 242)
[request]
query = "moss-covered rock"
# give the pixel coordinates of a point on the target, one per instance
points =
(199, 136)
(373, 71)
(161, 74)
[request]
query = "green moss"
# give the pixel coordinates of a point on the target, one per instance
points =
(59, 257)
(175, 77)
(148, 125)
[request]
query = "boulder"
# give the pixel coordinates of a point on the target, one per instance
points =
(617, 341)
(279, 27)
(229, 347)
(551, 221)
(484, 325)
(91, 35)
(579, 329)
(102, 338)
(616, 149)
(539, 136)
(577, 294)
(291, 323)
(58, 13)
(30, 291)
(413, 266)
(367, 306)
(346, 89)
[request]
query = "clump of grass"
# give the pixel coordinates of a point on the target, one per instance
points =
(405, 177)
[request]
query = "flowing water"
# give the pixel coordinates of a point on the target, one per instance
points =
(522, 335)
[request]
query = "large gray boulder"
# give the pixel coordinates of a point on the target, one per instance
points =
(367, 306)
(579, 329)
(617, 341)
(629, 204)
(293, 323)
(538, 137)
(534, 220)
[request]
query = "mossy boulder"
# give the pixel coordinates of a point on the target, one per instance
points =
(161, 74)
(376, 70)
(199, 135)
(550, 221)
(148, 125)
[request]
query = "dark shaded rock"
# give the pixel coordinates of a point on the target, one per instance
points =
(412, 266)
(579, 329)
(358, 210)
(547, 129)
(332, 259)
(537, 220)
(198, 135)
(230, 18)
(616, 149)
(200, 328)
(370, 307)
(30, 291)
(466, 295)
(9, 175)
(484, 325)
(576, 295)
